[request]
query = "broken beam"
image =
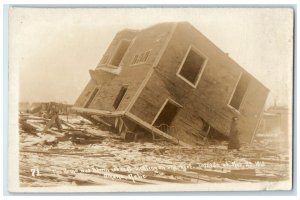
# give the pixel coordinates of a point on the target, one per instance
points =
(155, 130)
(103, 113)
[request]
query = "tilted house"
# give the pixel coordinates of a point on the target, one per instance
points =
(170, 80)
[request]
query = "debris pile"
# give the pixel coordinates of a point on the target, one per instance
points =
(80, 153)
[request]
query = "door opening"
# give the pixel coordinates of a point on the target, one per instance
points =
(166, 114)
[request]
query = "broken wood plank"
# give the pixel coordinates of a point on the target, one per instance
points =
(25, 126)
(103, 113)
(155, 130)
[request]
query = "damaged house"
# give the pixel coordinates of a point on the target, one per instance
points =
(170, 81)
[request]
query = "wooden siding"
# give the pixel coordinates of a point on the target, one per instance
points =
(209, 99)
(109, 90)
(87, 91)
(151, 39)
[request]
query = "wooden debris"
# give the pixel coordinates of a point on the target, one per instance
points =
(83, 145)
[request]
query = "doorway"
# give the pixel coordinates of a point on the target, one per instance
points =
(166, 114)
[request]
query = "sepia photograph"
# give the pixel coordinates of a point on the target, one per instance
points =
(150, 99)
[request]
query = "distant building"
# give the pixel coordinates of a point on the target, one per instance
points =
(38, 107)
(170, 80)
(275, 119)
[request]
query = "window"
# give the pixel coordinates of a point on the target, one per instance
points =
(120, 96)
(192, 67)
(140, 58)
(91, 98)
(120, 52)
(240, 91)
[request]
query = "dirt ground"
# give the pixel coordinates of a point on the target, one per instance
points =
(83, 154)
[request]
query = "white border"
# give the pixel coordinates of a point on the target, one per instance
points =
(239, 186)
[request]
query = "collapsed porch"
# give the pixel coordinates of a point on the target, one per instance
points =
(126, 122)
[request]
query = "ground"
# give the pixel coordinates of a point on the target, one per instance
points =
(86, 154)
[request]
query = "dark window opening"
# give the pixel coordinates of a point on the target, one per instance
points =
(192, 66)
(120, 97)
(167, 115)
(91, 98)
(240, 91)
(118, 56)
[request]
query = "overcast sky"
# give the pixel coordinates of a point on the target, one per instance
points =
(54, 48)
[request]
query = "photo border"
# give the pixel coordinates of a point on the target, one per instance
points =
(6, 98)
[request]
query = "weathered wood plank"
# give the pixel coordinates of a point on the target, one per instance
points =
(209, 100)
(103, 113)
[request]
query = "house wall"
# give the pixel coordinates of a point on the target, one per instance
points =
(208, 101)
(151, 39)
(86, 92)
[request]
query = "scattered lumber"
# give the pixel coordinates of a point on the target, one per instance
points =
(83, 145)
(28, 128)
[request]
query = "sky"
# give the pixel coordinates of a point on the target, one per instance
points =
(51, 50)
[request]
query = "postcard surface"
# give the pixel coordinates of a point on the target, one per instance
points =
(150, 99)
